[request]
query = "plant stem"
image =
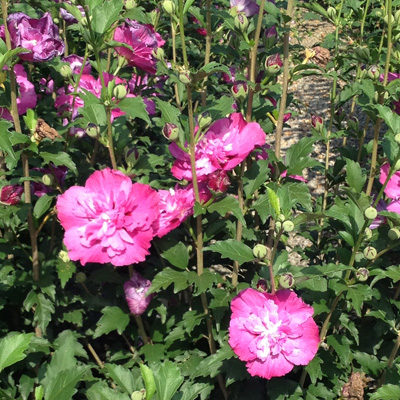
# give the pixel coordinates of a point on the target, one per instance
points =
(95, 356)
(141, 329)
(173, 34)
(392, 356)
(208, 50)
(182, 30)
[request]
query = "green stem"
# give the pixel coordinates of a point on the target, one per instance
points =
(182, 31)
(208, 51)
(141, 329)
(173, 34)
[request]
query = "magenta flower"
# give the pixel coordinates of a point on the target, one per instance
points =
(135, 293)
(40, 36)
(218, 181)
(272, 333)
(75, 62)
(392, 189)
(143, 40)
(27, 96)
(11, 194)
(225, 145)
(109, 219)
(247, 7)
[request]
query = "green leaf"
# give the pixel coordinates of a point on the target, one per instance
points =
(61, 386)
(263, 207)
(274, 201)
(226, 205)
(354, 177)
(357, 294)
(135, 108)
(302, 148)
(43, 308)
(100, 391)
(105, 15)
(12, 348)
(167, 276)
(65, 270)
(95, 114)
(122, 377)
(168, 378)
(208, 69)
(341, 344)
(391, 119)
(177, 255)
(58, 159)
(387, 392)
(316, 284)
(193, 391)
(5, 142)
(203, 282)
(314, 369)
(220, 108)
(188, 3)
(292, 193)
(169, 113)
(149, 382)
(113, 319)
(42, 205)
(255, 177)
(232, 249)
(307, 217)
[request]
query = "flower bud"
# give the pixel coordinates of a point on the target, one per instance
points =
(270, 37)
(154, 15)
(278, 226)
(317, 122)
(386, 19)
(370, 253)
(131, 156)
(63, 256)
(92, 130)
(48, 179)
(363, 54)
(171, 132)
(331, 13)
(66, 71)
(397, 165)
(80, 277)
(11, 194)
(241, 22)
(260, 251)
(397, 138)
(273, 64)
(353, 124)
(394, 234)
(184, 77)
(204, 120)
(239, 90)
(135, 293)
(362, 274)
(281, 218)
(288, 226)
(373, 72)
(262, 285)
(139, 395)
(130, 4)
(119, 92)
(368, 233)
(397, 17)
(218, 181)
(169, 7)
(158, 54)
(370, 213)
(286, 280)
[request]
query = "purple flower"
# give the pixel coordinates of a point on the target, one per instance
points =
(135, 293)
(75, 62)
(11, 194)
(247, 7)
(40, 36)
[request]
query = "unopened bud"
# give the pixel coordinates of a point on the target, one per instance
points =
(204, 120)
(286, 280)
(262, 285)
(119, 92)
(130, 4)
(317, 122)
(169, 7)
(370, 253)
(260, 251)
(171, 132)
(353, 124)
(397, 17)
(138, 395)
(386, 19)
(270, 37)
(66, 71)
(92, 130)
(63, 256)
(80, 277)
(48, 179)
(331, 13)
(394, 234)
(373, 72)
(273, 64)
(278, 226)
(370, 213)
(158, 54)
(397, 165)
(368, 233)
(397, 138)
(241, 22)
(288, 226)
(184, 77)
(131, 156)
(281, 218)
(240, 90)
(362, 274)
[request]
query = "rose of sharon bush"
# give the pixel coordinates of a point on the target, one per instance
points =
(225, 145)
(40, 36)
(109, 219)
(272, 333)
(135, 293)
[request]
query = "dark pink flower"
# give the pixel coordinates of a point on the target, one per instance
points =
(109, 219)
(392, 189)
(75, 62)
(272, 333)
(11, 194)
(273, 64)
(27, 96)
(225, 145)
(40, 36)
(135, 293)
(201, 31)
(143, 40)
(218, 181)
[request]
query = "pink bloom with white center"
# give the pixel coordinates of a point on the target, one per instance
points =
(143, 40)
(272, 333)
(135, 293)
(176, 205)
(109, 219)
(226, 144)
(27, 96)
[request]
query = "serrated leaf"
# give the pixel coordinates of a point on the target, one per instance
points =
(43, 308)
(94, 113)
(135, 108)
(149, 382)
(168, 378)
(391, 119)
(42, 205)
(302, 148)
(354, 175)
(232, 249)
(255, 177)
(387, 392)
(58, 159)
(263, 207)
(169, 113)
(177, 255)
(12, 348)
(122, 377)
(168, 276)
(5, 142)
(62, 386)
(226, 205)
(65, 270)
(104, 15)
(357, 294)
(192, 391)
(100, 391)
(292, 193)
(203, 282)
(188, 3)
(113, 319)
(314, 369)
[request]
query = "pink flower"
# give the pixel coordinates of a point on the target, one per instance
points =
(218, 181)
(109, 219)
(392, 189)
(143, 40)
(225, 145)
(27, 96)
(11, 194)
(75, 62)
(40, 36)
(272, 333)
(135, 293)
(248, 7)
(201, 31)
